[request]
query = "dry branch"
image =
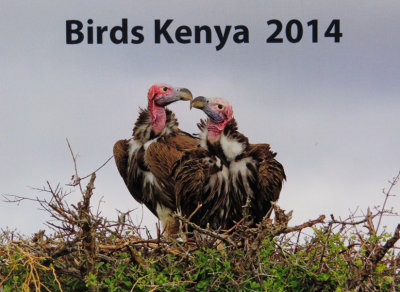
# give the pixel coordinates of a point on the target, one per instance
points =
(381, 252)
(208, 232)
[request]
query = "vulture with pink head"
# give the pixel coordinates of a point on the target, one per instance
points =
(145, 161)
(233, 172)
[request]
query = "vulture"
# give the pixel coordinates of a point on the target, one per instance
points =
(255, 176)
(145, 160)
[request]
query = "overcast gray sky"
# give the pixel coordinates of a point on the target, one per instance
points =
(330, 110)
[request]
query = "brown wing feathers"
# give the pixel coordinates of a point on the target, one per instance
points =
(269, 179)
(164, 153)
(121, 157)
(146, 160)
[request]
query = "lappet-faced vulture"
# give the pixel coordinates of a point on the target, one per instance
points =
(145, 161)
(255, 176)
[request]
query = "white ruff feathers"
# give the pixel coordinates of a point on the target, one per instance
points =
(148, 143)
(239, 168)
(203, 139)
(231, 147)
(133, 147)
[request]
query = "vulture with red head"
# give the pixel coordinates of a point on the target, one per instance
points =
(255, 176)
(145, 161)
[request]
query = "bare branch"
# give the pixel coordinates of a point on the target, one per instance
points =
(388, 245)
(100, 167)
(307, 224)
(205, 231)
(387, 194)
(76, 178)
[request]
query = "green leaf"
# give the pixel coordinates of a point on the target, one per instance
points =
(323, 277)
(99, 265)
(202, 284)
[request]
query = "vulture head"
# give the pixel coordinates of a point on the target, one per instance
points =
(219, 111)
(161, 95)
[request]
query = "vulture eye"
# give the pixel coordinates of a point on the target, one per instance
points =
(165, 89)
(220, 106)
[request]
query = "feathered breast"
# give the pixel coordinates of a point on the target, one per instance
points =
(201, 188)
(254, 173)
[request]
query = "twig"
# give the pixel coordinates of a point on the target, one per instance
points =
(77, 180)
(205, 231)
(297, 242)
(88, 231)
(307, 224)
(388, 245)
(387, 194)
(234, 226)
(324, 247)
(352, 222)
(195, 211)
(100, 167)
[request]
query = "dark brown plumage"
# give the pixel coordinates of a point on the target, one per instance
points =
(254, 173)
(145, 161)
(201, 188)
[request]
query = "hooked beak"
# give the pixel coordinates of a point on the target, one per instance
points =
(199, 102)
(183, 94)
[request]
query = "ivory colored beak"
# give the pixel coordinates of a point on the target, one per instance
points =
(199, 102)
(184, 94)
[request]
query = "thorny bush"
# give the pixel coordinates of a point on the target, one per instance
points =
(89, 252)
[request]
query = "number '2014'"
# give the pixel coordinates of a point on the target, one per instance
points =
(294, 31)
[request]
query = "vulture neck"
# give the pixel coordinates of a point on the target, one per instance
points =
(144, 131)
(158, 118)
(214, 131)
(229, 143)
